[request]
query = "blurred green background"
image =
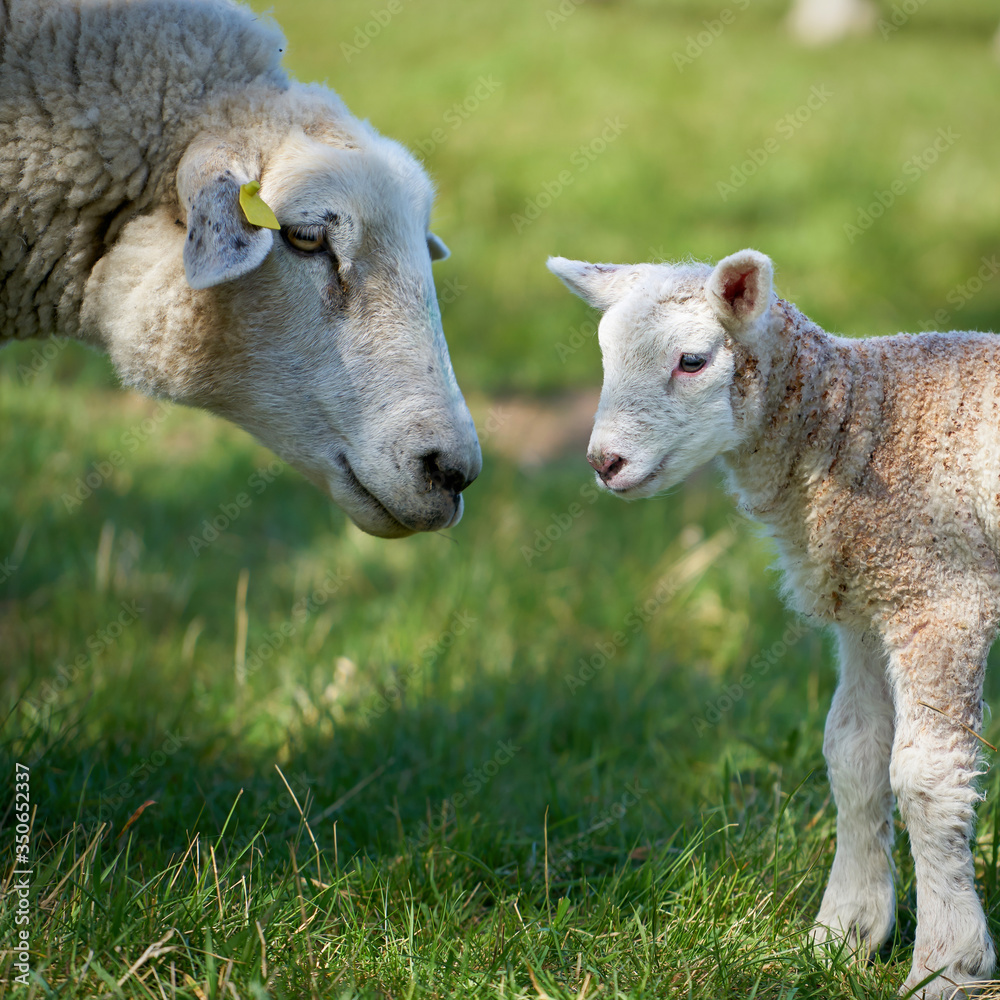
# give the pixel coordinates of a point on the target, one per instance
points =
(614, 131)
(654, 191)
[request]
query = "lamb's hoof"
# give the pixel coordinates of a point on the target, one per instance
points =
(951, 984)
(941, 988)
(864, 934)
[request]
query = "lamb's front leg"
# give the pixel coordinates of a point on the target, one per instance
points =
(937, 678)
(860, 901)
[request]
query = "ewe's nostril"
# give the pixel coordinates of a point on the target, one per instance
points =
(442, 474)
(607, 466)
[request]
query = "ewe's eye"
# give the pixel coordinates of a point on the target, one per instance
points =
(306, 239)
(692, 362)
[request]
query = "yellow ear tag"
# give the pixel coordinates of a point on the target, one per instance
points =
(254, 207)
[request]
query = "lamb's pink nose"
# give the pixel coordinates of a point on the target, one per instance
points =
(607, 466)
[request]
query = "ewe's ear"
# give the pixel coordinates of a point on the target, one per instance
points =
(602, 285)
(437, 248)
(740, 288)
(221, 244)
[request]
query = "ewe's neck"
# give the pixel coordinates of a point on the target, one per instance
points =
(809, 412)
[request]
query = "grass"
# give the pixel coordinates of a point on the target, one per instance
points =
(523, 758)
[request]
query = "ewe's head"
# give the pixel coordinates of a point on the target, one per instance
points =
(323, 337)
(668, 337)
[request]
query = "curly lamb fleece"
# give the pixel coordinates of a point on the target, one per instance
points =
(128, 129)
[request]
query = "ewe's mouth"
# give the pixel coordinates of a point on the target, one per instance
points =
(459, 510)
(376, 518)
(368, 498)
(392, 525)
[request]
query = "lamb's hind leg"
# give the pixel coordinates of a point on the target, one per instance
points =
(860, 901)
(937, 678)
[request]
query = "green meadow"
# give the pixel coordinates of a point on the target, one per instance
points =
(570, 748)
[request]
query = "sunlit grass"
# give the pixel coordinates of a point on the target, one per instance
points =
(520, 758)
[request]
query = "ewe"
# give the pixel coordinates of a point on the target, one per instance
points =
(875, 466)
(132, 135)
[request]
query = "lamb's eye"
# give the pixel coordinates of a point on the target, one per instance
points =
(692, 362)
(306, 239)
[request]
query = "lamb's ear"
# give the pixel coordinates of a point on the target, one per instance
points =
(740, 288)
(437, 247)
(602, 285)
(221, 244)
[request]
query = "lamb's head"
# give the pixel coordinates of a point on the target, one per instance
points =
(322, 338)
(672, 337)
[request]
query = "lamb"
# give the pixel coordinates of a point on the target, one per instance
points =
(234, 240)
(875, 466)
